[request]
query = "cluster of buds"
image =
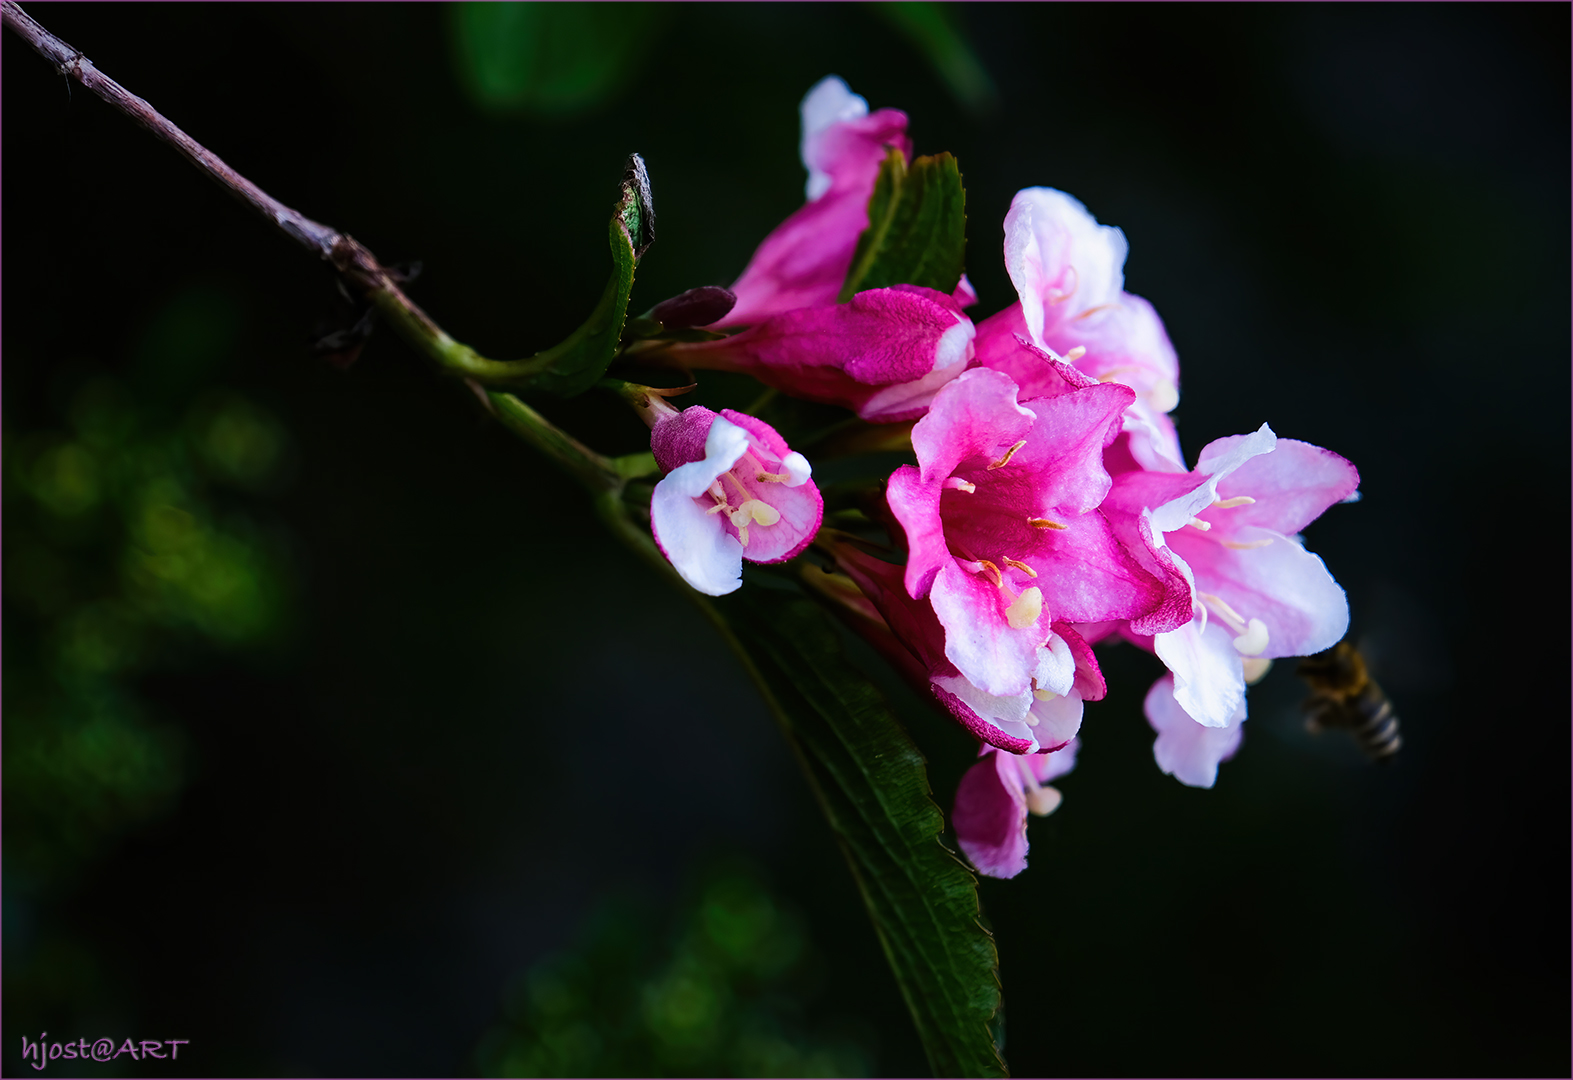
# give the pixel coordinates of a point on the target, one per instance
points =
(1050, 506)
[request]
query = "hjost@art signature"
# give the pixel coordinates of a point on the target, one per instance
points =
(39, 1054)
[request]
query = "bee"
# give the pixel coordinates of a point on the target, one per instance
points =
(1343, 695)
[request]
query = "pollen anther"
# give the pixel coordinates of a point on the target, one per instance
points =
(1002, 462)
(1019, 565)
(1045, 523)
(1230, 504)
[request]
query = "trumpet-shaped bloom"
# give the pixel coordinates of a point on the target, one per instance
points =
(1069, 273)
(733, 490)
(993, 801)
(1229, 526)
(1003, 530)
(805, 260)
(884, 353)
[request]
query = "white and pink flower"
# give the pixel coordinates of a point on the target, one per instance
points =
(733, 490)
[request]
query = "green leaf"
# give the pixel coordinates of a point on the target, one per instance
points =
(917, 224)
(575, 365)
(550, 60)
(871, 781)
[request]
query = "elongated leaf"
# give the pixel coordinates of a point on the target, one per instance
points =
(917, 224)
(872, 783)
(573, 366)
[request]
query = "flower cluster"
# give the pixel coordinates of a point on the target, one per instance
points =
(1049, 508)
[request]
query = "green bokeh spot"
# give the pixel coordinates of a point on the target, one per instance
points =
(548, 59)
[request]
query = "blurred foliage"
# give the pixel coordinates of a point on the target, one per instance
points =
(131, 545)
(936, 30)
(550, 60)
(725, 991)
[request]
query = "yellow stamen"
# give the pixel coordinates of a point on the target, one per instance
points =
(755, 511)
(1044, 695)
(999, 578)
(772, 478)
(1002, 462)
(1026, 610)
(956, 483)
(1200, 524)
(1019, 565)
(1230, 504)
(1076, 354)
(1246, 545)
(1045, 523)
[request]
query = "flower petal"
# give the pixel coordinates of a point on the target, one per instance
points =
(1185, 749)
(978, 638)
(991, 816)
(1057, 720)
(1062, 262)
(1291, 486)
(1279, 582)
(1209, 679)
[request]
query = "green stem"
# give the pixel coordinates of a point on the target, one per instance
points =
(598, 474)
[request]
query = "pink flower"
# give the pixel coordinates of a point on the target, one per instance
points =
(1003, 531)
(805, 260)
(993, 800)
(884, 353)
(1044, 716)
(1069, 273)
(1229, 528)
(733, 490)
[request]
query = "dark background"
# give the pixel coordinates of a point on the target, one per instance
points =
(476, 717)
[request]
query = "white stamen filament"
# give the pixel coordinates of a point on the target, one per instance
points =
(956, 483)
(1252, 633)
(1235, 620)
(1246, 545)
(1200, 524)
(1042, 800)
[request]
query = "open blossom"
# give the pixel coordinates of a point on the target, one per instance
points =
(804, 262)
(1230, 527)
(1069, 274)
(993, 801)
(1003, 530)
(733, 490)
(883, 354)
